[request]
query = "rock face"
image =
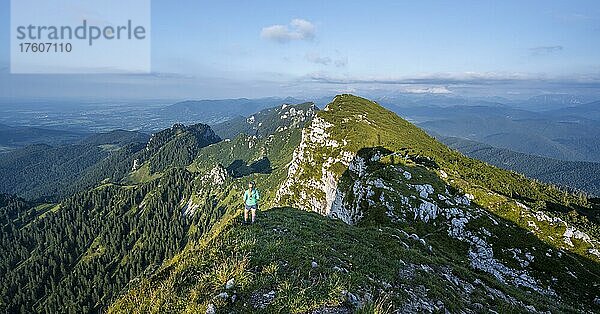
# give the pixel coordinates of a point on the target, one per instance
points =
(136, 165)
(311, 182)
(293, 116)
(217, 175)
(406, 200)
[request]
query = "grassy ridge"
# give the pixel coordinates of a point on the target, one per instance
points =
(277, 255)
(363, 123)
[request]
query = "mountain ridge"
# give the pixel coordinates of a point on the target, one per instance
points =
(267, 121)
(417, 226)
(360, 163)
(49, 172)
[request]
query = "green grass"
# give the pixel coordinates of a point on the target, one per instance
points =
(276, 255)
(109, 147)
(40, 211)
(95, 250)
(142, 175)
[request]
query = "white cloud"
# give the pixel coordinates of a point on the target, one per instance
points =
(298, 29)
(427, 90)
(454, 82)
(430, 78)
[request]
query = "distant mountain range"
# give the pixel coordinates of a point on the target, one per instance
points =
(552, 102)
(579, 175)
(215, 111)
(571, 133)
(14, 137)
(584, 111)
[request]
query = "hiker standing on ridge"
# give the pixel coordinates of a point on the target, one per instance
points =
(251, 198)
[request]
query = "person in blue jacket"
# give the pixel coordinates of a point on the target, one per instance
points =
(251, 198)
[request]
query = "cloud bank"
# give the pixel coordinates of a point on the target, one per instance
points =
(298, 29)
(462, 79)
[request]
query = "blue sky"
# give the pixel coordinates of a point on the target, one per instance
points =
(225, 49)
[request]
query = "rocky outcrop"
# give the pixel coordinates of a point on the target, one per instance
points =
(217, 175)
(211, 181)
(404, 199)
(269, 121)
(312, 180)
(293, 116)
